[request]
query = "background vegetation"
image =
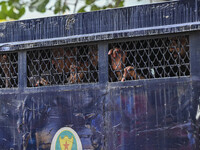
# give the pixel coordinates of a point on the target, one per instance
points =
(15, 9)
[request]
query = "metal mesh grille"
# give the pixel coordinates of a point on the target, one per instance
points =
(8, 70)
(151, 58)
(63, 65)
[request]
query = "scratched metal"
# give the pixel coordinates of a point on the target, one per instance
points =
(137, 17)
(95, 37)
(159, 116)
(151, 114)
(154, 116)
(29, 121)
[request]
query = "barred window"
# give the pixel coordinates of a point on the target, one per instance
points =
(151, 58)
(8, 70)
(62, 65)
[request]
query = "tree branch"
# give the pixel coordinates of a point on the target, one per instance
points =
(75, 5)
(117, 3)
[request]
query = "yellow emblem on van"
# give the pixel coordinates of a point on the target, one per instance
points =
(66, 139)
(66, 143)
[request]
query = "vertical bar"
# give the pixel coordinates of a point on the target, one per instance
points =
(195, 55)
(103, 62)
(194, 39)
(22, 70)
(196, 10)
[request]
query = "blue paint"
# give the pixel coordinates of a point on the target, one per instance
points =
(133, 115)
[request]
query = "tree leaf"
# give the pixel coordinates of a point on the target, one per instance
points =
(22, 11)
(57, 6)
(39, 5)
(15, 13)
(17, 5)
(108, 6)
(11, 13)
(64, 8)
(95, 7)
(4, 8)
(3, 13)
(89, 2)
(33, 5)
(3, 2)
(121, 4)
(2, 16)
(82, 9)
(42, 6)
(11, 2)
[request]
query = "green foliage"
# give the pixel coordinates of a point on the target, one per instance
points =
(14, 9)
(60, 7)
(95, 7)
(11, 9)
(82, 9)
(89, 2)
(121, 4)
(39, 5)
(91, 5)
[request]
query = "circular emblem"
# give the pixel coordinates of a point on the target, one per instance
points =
(66, 139)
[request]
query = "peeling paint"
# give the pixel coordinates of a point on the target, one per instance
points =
(2, 35)
(98, 22)
(69, 22)
(22, 25)
(147, 114)
(3, 26)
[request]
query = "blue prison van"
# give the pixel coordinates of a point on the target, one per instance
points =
(116, 79)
